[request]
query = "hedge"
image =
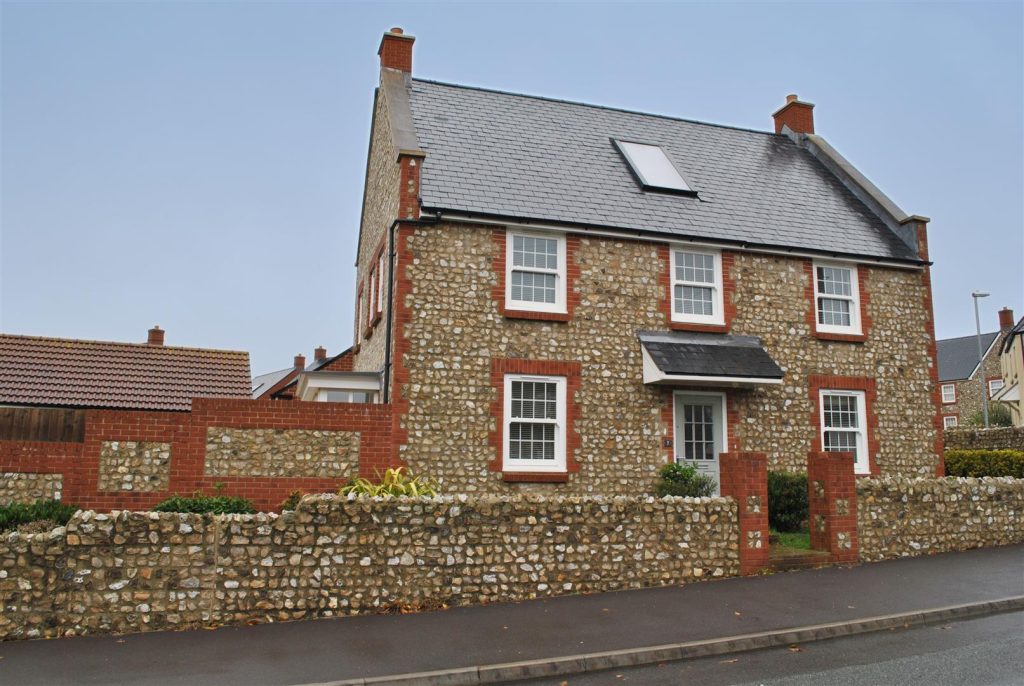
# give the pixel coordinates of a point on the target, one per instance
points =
(787, 501)
(978, 463)
(198, 503)
(16, 514)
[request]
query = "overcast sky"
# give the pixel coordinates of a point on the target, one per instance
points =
(200, 165)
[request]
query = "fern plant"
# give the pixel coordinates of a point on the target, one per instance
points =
(394, 482)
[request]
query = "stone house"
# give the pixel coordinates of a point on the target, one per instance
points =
(1011, 362)
(565, 297)
(959, 384)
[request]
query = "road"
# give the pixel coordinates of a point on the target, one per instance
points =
(980, 652)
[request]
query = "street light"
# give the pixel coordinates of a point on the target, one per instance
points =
(981, 368)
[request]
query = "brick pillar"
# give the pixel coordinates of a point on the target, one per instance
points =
(745, 479)
(832, 500)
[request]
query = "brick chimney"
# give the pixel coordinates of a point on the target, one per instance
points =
(156, 336)
(300, 362)
(1006, 319)
(396, 50)
(320, 354)
(797, 115)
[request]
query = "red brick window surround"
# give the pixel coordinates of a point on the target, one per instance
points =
(568, 374)
(568, 272)
(721, 284)
(858, 300)
(866, 389)
(359, 318)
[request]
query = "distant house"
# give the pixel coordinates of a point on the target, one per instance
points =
(959, 385)
(327, 379)
(40, 377)
(1011, 360)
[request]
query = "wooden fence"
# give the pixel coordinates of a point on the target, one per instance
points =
(42, 424)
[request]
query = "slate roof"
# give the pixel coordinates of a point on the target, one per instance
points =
(264, 382)
(531, 158)
(66, 372)
(708, 354)
(958, 357)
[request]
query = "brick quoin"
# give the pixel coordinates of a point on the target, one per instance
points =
(728, 293)
(865, 298)
(186, 432)
(571, 372)
(832, 504)
(745, 479)
(572, 273)
(818, 383)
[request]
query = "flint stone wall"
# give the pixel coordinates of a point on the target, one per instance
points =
(1001, 438)
(132, 571)
(281, 452)
(134, 466)
(899, 517)
(25, 487)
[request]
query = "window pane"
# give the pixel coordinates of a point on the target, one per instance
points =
(841, 411)
(696, 267)
(534, 400)
(533, 287)
(694, 300)
(841, 441)
(835, 281)
(833, 312)
(531, 441)
(531, 251)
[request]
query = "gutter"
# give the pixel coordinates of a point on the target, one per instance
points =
(385, 381)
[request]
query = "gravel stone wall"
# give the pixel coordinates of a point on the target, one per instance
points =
(898, 517)
(27, 487)
(1002, 438)
(131, 571)
(281, 452)
(134, 466)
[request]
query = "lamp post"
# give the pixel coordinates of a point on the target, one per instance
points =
(977, 295)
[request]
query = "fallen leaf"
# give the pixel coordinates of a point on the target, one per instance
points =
(120, 640)
(948, 626)
(738, 614)
(729, 662)
(604, 609)
(795, 649)
(851, 607)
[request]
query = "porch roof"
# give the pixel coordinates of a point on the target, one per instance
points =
(706, 359)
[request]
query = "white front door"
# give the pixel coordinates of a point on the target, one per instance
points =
(700, 431)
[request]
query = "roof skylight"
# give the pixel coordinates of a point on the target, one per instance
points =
(652, 167)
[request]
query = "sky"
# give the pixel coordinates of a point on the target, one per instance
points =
(199, 165)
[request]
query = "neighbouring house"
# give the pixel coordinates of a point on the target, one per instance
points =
(558, 293)
(283, 384)
(960, 374)
(1011, 364)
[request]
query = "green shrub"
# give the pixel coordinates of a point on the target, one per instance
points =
(198, 503)
(683, 479)
(392, 483)
(787, 501)
(15, 514)
(985, 463)
(998, 415)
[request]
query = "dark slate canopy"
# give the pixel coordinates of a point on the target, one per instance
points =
(532, 159)
(679, 354)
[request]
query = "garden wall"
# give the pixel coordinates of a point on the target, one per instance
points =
(132, 571)
(999, 438)
(258, 449)
(899, 517)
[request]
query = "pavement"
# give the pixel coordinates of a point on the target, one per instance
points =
(330, 650)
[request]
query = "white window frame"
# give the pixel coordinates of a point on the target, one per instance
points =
(992, 392)
(558, 465)
(717, 316)
(557, 307)
(951, 397)
(371, 294)
(380, 283)
(854, 299)
(950, 421)
(863, 464)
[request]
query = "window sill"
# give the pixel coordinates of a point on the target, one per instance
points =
(538, 316)
(841, 337)
(535, 477)
(702, 328)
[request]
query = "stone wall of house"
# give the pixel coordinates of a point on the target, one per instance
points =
(898, 517)
(969, 391)
(455, 330)
(22, 487)
(134, 466)
(281, 452)
(380, 209)
(132, 571)
(1001, 438)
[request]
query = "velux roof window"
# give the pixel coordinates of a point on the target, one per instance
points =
(652, 167)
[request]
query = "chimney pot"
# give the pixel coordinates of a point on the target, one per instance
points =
(797, 115)
(320, 354)
(395, 50)
(1006, 320)
(300, 362)
(156, 336)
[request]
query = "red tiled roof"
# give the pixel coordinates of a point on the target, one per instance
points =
(66, 372)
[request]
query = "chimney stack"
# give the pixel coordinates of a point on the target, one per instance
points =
(320, 354)
(396, 51)
(1006, 320)
(156, 336)
(796, 114)
(300, 362)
